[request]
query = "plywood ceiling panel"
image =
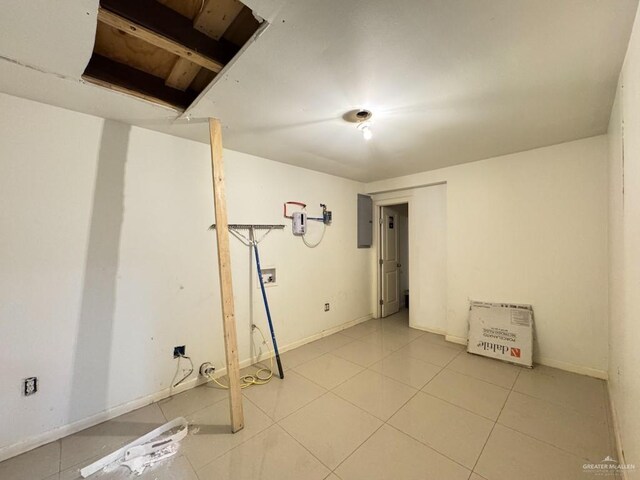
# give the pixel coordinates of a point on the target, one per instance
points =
(124, 48)
(187, 8)
(137, 39)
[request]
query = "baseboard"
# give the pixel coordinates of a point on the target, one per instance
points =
(571, 367)
(69, 429)
(454, 339)
(325, 333)
(549, 362)
(613, 415)
(427, 329)
(436, 331)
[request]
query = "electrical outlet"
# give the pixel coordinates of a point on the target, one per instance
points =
(327, 307)
(179, 351)
(30, 386)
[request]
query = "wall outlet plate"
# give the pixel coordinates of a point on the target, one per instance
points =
(179, 351)
(30, 386)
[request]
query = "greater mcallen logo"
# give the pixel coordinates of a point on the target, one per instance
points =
(497, 348)
(607, 466)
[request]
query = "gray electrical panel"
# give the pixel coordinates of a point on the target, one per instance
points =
(365, 221)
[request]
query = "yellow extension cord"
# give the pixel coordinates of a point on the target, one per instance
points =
(255, 379)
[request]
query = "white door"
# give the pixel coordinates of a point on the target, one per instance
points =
(390, 262)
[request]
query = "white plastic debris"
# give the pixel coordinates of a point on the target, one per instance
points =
(153, 447)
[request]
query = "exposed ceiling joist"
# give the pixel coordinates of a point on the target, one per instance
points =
(160, 41)
(158, 18)
(213, 20)
(216, 16)
(150, 49)
(125, 79)
(182, 74)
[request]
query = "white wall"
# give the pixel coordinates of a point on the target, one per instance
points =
(529, 228)
(106, 262)
(624, 252)
(403, 246)
(427, 254)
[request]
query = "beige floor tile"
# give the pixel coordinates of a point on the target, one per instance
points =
(469, 393)
(511, 455)
(406, 369)
(333, 476)
(566, 429)
(400, 318)
(106, 437)
(300, 355)
(403, 330)
(331, 342)
(392, 455)
(362, 329)
(191, 401)
(330, 428)
(388, 340)
(488, 369)
(430, 352)
(452, 431)
(210, 433)
(361, 353)
(440, 340)
(373, 392)
(281, 397)
(577, 392)
(173, 468)
(272, 454)
(36, 464)
(475, 476)
(328, 370)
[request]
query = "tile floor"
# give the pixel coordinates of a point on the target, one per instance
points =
(375, 401)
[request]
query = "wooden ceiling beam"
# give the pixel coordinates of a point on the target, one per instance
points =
(182, 74)
(216, 16)
(160, 41)
(213, 20)
(169, 30)
(125, 79)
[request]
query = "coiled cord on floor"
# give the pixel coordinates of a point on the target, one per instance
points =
(252, 379)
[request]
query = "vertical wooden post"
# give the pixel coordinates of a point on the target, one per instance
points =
(224, 268)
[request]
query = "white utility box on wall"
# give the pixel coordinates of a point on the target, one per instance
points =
(503, 331)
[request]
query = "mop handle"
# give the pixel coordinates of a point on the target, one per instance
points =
(266, 307)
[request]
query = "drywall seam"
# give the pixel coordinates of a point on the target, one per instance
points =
(37, 69)
(69, 429)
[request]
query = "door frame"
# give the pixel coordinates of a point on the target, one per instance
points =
(377, 210)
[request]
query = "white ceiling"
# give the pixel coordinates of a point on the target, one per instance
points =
(449, 81)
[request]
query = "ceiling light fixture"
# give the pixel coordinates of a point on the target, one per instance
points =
(363, 118)
(365, 128)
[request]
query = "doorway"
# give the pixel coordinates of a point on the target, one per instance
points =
(393, 258)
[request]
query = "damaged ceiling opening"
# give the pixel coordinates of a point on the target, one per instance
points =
(166, 51)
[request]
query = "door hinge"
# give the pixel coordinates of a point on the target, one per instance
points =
(380, 221)
(381, 302)
(380, 261)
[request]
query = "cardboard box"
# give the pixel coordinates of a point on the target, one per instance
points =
(503, 331)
